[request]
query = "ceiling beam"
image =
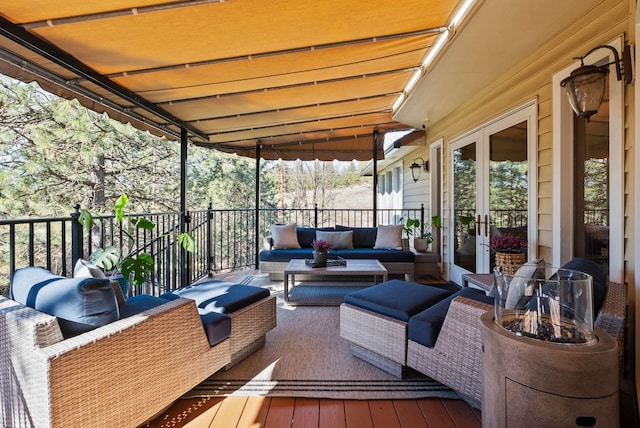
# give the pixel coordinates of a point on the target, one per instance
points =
(426, 31)
(292, 86)
(264, 142)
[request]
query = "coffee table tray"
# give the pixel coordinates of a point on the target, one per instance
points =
(332, 261)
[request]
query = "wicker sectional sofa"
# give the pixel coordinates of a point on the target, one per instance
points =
(58, 372)
(274, 259)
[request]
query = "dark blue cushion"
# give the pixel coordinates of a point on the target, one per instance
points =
(220, 296)
(599, 279)
(363, 237)
(136, 304)
(425, 326)
(217, 326)
(396, 299)
(380, 254)
(79, 304)
(285, 255)
(306, 235)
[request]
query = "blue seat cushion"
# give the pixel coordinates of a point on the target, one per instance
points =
(425, 326)
(79, 304)
(371, 253)
(285, 255)
(140, 303)
(216, 325)
(396, 299)
(219, 296)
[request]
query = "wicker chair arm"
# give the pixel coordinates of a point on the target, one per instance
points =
(178, 308)
(462, 320)
(456, 358)
(612, 315)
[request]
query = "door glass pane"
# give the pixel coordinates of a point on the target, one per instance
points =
(508, 182)
(591, 190)
(464, 206)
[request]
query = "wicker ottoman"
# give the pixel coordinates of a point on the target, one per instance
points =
(374, 321)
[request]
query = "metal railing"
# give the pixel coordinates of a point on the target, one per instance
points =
(225, 240)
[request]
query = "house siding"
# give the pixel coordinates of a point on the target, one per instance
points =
(532, 79)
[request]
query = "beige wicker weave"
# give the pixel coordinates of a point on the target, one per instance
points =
(118, 375)
(456, 358)
(375, 338)
(249, 327)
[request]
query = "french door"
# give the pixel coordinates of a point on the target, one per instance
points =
(491, 190)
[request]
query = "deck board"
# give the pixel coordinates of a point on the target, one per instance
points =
(306, 413)
(357, 414)
(332, 414)
(410, 414)
(384, 414)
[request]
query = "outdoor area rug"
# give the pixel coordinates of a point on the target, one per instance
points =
(305, 357)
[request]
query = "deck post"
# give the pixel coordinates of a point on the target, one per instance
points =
(77, 240)
(375, 178)
(257, 213)
(185, 260)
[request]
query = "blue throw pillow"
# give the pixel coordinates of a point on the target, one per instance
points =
(80, 304)
(363, 237)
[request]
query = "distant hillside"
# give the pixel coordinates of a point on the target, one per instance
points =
(358, 196)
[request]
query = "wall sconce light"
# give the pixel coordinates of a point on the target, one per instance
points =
(416, 168)
(585, 85)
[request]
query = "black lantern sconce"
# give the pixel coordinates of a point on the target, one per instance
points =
(416, 168)
(585, 86)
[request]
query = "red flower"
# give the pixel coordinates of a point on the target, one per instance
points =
(509, 243)
(320, 245)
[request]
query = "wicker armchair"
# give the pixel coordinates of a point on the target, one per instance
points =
(120, 374)
(456, 358)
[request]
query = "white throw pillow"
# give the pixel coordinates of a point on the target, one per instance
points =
(389, 237)
(284, 236)
(337, 240)
(534, 269)
(86, 269)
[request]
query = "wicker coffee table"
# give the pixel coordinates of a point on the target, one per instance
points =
(359, 267)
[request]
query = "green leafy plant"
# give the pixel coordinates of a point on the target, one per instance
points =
(413, 225)
(138, 268)
(410, 226)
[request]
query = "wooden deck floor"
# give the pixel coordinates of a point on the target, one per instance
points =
(264, 412)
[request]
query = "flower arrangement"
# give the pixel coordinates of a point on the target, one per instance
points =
(320, 245)
(509, 243)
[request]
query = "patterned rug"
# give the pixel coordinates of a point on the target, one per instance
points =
(305, 357)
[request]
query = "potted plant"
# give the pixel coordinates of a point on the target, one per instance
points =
(424, 238)
(510, 251)
(134, 267)
(320, 252)
(408, 230)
